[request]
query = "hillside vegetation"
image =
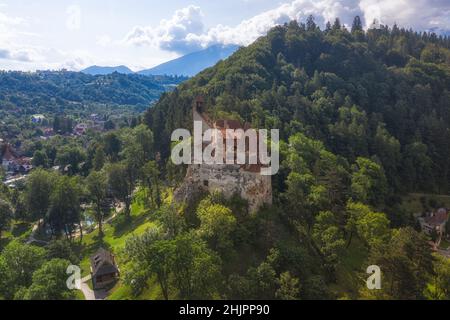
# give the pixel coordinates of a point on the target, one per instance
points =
(365, 119)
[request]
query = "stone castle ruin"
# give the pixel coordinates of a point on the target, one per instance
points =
(229, 179)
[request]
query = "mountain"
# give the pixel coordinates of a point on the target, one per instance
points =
(364, 119)
(188, 65)
(345, 89)
(96, 70)
(191, 64)
(54, 91)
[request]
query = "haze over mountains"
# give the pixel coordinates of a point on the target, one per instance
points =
(101, 71)
(188, 65)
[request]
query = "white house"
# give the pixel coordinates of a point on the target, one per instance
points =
(37, 118)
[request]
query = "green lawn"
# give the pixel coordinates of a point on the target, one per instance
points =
(79, 295)
(412, 202)
(123, 292)
(19, 230)
(445, 244)
(115, 234)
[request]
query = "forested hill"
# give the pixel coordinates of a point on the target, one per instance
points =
(48, 91)
(381, 94)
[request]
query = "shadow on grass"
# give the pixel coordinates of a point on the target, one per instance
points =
(4, 242)
(126, 224)
(97, 243)
(20, 229)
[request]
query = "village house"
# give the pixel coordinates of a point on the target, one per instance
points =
(37, 118)
(8, 157)
(228, 179)
(48, 132)
(104, 270)
(434, 221)
(12, 162)
(80, 129)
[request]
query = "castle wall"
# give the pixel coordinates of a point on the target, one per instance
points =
(232, 179)
(227, 179)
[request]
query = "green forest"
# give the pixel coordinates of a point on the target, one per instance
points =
(364, 119)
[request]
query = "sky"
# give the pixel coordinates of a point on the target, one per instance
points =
(74, 34)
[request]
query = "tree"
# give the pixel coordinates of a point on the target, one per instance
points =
(289, 287)
(38, 189)
(143, 136)
(217, 222)
(371, 227)
(61, 249)
(369, 183)
(186, 259)
(120, 184)
(97, 188)
(171, 220)
(161, 263)
(407, 264)
(337, 26)
(310, 24)
(154, 255)
(329, 240)
(6, 215)
(139, 250)
(150, 179)
(357, 25)
(263, 280)
(64, 212)
(40, 159)
(113, 146)
(440, 279)
(71, 158)
(197, 269)
(18, 262)
(99, 158)
(49, 282)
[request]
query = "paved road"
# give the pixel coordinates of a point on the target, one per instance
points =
(32, 238)
(445, 253)
(90, 294)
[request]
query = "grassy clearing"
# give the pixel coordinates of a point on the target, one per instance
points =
(19, 230)
(79, 295)
(445, 244)
(414, 202)
(115, 235)
(124, 292)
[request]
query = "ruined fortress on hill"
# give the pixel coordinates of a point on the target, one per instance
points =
(243, 180)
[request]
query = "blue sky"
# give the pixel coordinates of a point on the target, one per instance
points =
(73, 34)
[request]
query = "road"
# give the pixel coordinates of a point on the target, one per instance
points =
(90, 294)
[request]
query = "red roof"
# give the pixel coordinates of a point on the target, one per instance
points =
(438, 218)
(9, 154)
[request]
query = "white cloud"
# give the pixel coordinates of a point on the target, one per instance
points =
(73, 21)
(104, 40)
(16, 55)
(185, 31)
(173, 34)
(9, 49)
